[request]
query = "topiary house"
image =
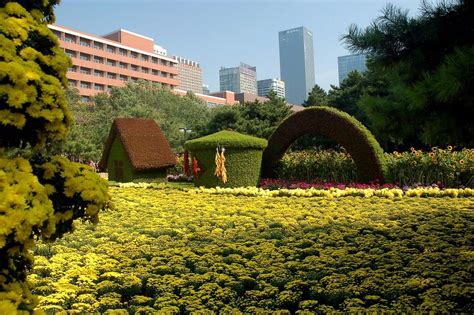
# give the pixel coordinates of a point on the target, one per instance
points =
(136, 150)
(334, 124)
(243, 155)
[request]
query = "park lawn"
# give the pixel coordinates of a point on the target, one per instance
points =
(179, 251)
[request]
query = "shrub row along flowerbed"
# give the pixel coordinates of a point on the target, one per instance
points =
(443, 167)
(244, 254)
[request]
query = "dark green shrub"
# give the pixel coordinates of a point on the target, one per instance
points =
(243, 155)
(335, 124)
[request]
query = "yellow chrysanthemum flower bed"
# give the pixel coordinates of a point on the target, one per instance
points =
(180, 251)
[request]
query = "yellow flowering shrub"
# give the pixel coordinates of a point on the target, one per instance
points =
(75, 191)
(169, 251)
(33, 69)
(39, 197)
(24, 211)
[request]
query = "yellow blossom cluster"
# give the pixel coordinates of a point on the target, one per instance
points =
(24, 208)
(42, 200)
(175, 251)
(75, 189)
(32, 72)
(315, 192)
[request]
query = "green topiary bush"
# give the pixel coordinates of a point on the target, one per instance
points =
(243, 158)
(335, 124)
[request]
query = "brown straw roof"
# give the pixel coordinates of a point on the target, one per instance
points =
(144, 142)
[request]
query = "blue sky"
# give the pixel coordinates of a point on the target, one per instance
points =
(225, 33)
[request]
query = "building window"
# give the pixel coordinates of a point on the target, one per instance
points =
(134, 67)
(109, 89)
(123, 78)
(72, 69)
(98, 59)
(110, 49)
(72, 83)
(99, 87)
(163, 62)
(111, 62)
(98, 46)
(70, 53)
(155, 72)
(123, 65)
(85, 70)
(133, 54)
(145, 70)
(85, 99)
(70, 38)
(122, 52)
(111, 75)
(154, 59)
(98, 73)
(144, 57)
(85, 57)
(85, 85)
(85, 42)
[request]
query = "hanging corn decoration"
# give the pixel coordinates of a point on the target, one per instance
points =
(223, 170)
(219, 159)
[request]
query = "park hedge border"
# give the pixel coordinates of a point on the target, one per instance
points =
(350, 133)
(243, 158)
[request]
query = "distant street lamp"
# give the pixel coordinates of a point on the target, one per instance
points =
(185, 131)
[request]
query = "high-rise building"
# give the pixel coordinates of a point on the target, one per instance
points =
(205, 89)
(242, 79)
(297, 63)
(265, 86)
(189, 75)
(102, 62)
(346, 64)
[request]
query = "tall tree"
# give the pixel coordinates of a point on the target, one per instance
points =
(317, 97)
(346, 96)
(424, 73)
(261, 119)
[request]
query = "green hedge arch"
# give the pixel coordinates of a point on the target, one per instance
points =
(332, 123)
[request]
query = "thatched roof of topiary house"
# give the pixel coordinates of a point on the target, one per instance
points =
(228, 139)
(145, 144)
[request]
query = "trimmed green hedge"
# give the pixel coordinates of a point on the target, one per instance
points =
(243, 158)
(335, 124)
(227, 139)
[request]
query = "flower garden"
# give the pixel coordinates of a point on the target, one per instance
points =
(244, 251)
(361, 231)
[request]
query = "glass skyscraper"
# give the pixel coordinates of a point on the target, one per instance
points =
(349, 63)
(297, 63)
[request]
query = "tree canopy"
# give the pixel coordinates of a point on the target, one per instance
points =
(421, 74)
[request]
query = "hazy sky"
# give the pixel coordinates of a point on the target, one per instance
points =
(225, 33)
